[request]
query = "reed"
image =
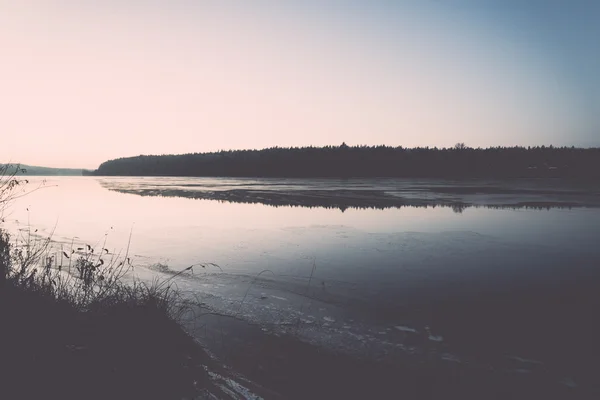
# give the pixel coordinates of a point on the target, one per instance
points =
(78, 325)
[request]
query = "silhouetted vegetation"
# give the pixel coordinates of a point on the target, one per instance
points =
(9, 184)
(70, 328)
(365, 161)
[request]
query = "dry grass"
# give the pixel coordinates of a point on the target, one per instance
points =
(71, 325)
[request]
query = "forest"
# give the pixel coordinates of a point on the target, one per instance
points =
(345, 161)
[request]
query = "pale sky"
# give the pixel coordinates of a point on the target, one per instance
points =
(84, 81)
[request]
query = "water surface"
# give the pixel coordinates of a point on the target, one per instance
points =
(463, 262)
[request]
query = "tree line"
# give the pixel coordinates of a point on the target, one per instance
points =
(345, 161)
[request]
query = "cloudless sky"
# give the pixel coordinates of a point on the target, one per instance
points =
(85, 81)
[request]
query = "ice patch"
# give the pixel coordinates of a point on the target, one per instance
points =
(436, 338)
(232, 388)
(450, 357)
(279, 298)
(569, 383)
(405, 329)
(525, 360)
(328, 319)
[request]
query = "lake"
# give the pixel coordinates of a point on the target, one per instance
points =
(486, 270)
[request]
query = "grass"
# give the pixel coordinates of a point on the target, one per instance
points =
(70, 328)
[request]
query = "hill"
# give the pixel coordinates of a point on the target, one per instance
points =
(46, 171)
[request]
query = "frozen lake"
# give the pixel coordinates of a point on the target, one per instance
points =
(359, 265)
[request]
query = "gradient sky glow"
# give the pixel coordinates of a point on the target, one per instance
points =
(85, 81)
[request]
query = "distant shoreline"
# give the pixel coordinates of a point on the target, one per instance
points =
(32, 170)
(459, 162)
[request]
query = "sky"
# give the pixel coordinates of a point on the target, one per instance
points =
(85, 81)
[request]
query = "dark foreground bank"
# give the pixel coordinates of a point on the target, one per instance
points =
(73, 330)
(128, 350)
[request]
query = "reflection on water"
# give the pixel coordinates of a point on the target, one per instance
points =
(412, 257)
(246, 237)
(295, 200)
(359, 194)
